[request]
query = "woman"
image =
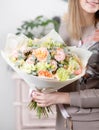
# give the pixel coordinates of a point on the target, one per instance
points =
(81, 98)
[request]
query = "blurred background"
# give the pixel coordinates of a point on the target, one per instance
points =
(15, 16)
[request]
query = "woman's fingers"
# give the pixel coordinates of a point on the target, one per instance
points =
(42, 104)
(38, 96)
(42, 99)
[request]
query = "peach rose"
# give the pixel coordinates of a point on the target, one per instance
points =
(41, 53)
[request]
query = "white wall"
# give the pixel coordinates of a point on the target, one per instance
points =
(12, 13)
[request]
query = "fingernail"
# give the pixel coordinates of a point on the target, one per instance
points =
(32, 93)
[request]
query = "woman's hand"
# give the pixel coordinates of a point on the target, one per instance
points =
(47, 99)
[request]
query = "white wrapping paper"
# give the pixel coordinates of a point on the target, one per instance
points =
(35, 82)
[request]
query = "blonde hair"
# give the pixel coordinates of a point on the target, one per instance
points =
(76, 19)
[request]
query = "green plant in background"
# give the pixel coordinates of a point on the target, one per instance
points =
(38, 27)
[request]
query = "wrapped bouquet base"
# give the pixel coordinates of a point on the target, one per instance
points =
(45, 64)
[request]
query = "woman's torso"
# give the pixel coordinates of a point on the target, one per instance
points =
(82, 84)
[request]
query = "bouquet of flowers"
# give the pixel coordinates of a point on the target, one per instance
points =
(46, 64)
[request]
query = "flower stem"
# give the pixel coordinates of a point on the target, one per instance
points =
(41, 111)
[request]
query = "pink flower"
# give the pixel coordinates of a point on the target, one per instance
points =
(30, 60)
(60, 55)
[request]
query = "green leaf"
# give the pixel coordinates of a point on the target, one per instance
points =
(40, 21)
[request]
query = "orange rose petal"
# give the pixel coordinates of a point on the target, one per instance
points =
(44, 73)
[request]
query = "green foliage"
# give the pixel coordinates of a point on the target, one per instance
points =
(38, 27)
